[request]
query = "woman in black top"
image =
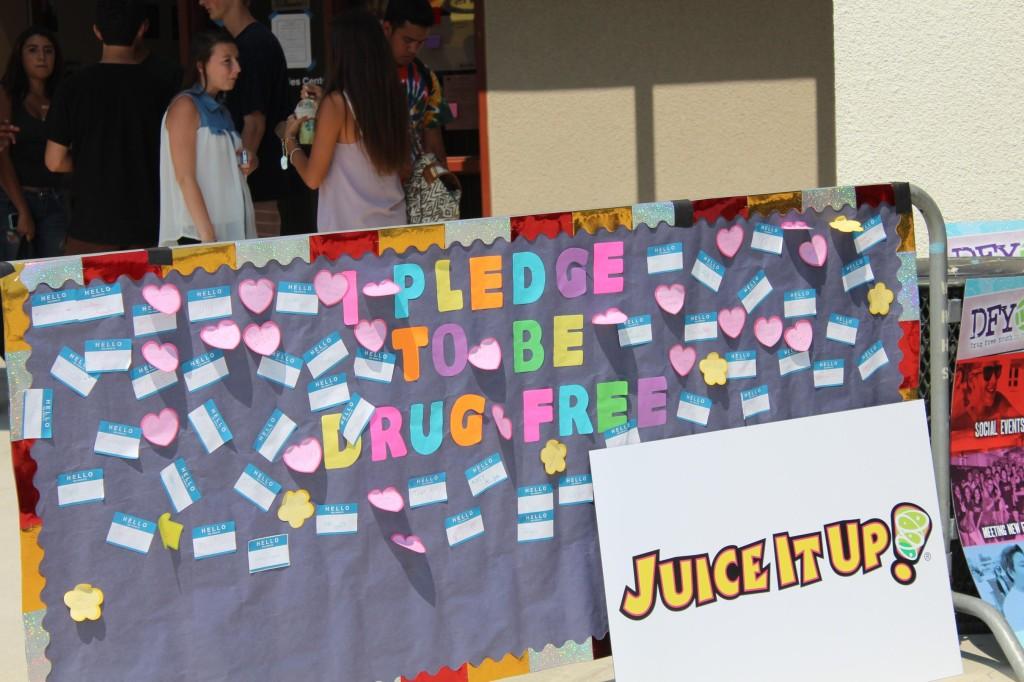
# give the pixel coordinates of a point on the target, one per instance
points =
(31, 202)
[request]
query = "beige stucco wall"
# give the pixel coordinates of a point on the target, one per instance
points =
(929, 92)
(601, 102)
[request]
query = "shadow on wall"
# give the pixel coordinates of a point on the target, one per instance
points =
(535, 45)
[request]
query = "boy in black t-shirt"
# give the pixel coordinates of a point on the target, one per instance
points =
(104, 127)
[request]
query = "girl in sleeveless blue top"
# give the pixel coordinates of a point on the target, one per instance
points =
(203, 193)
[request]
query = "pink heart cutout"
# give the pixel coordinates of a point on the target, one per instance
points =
(487, 355)
(224, 335)
(385, 287)
(670, 297)
(256, 295)
(503, 423)
(371, 334)
(729, 240)
(799, 336)
(610, 316)
(682, 359)
(163, 356)
(409, 542)
(389, 499)
(160, 428)
(304, 457)
(768, 330)
(330, 287)
(731, 320)
(166, 298)
(814, 252)
(263, 339)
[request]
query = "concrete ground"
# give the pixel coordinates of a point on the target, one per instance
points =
(982, 659)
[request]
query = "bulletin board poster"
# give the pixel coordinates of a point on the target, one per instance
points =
(987, 442)
(364, 455)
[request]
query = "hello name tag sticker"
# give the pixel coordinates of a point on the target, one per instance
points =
(427, 490)
(486, 474)
(327, 353)
(742, 364)
(214, 539)
(204, 370)
(118, 440)
(575, 489)
(374, 366)
(131, 533)
(755, 401)
(209, 425)
(623, 434)
(535, 498)
(37, 415)
(857, 273)
(108, 355)
(80, 487)
(355, 417)
(700, 327)
(99, 302)
(754, 291)
(69, 369)
(147, 380)
(257, 487)
(54, 308)
(664, 258)
(535, 527)
(328, 392)
(266, 554)
(280, 368)
(337, 519)
(873, 234)
(463, 527)
(297, 298)
(274, 434)
(211, 303)
(791, 361)
(179, 485)
(636, 331)
(800, 303)
(872, 360)
(708, 271)
(694, 408)
(767, 238)
(842, 329)
(828, 373)
(147, 320)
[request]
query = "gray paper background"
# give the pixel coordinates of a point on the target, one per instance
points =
(358, 607)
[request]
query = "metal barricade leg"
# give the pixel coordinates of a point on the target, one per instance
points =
(939, 355)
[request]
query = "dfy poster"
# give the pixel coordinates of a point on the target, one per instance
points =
(373, 463)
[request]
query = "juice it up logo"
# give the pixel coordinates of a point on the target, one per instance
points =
(851, 547)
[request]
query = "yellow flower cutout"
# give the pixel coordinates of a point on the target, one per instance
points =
(85, 602)
(714, 368)
(553, 456)
(170, 531)
(844, 224)
(880, 297)
(295, 508)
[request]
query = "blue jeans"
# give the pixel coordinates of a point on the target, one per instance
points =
(49, 211)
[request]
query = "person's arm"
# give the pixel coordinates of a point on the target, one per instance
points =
(58, 158)
(438, 113)
(329, 119)
(254, 124)
(9, 179)
(433, 141)
(8, 134)
(182, 124)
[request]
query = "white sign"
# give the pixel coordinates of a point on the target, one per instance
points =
(760, 583)
(993, 317)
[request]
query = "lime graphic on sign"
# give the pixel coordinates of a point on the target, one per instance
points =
(911, 527)
(1018, 315)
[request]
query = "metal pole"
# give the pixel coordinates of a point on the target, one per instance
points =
(939, 357)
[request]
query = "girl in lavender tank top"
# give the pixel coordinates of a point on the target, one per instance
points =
(361, 147)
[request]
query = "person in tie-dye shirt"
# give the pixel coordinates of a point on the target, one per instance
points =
(407, 25)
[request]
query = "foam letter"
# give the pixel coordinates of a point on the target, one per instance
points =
(448, 299)
(611, 404)
(386, 434)
(467, 430)
(650, 401)
(537, 410)
(572, 282)
(485, 282)
(522, 263)
(426, 443)
(608, 262)
(410, 281)
(350, 301)
(438, 349)
(408, 341)
(567, 350)
(526, 336)
(573, 401)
